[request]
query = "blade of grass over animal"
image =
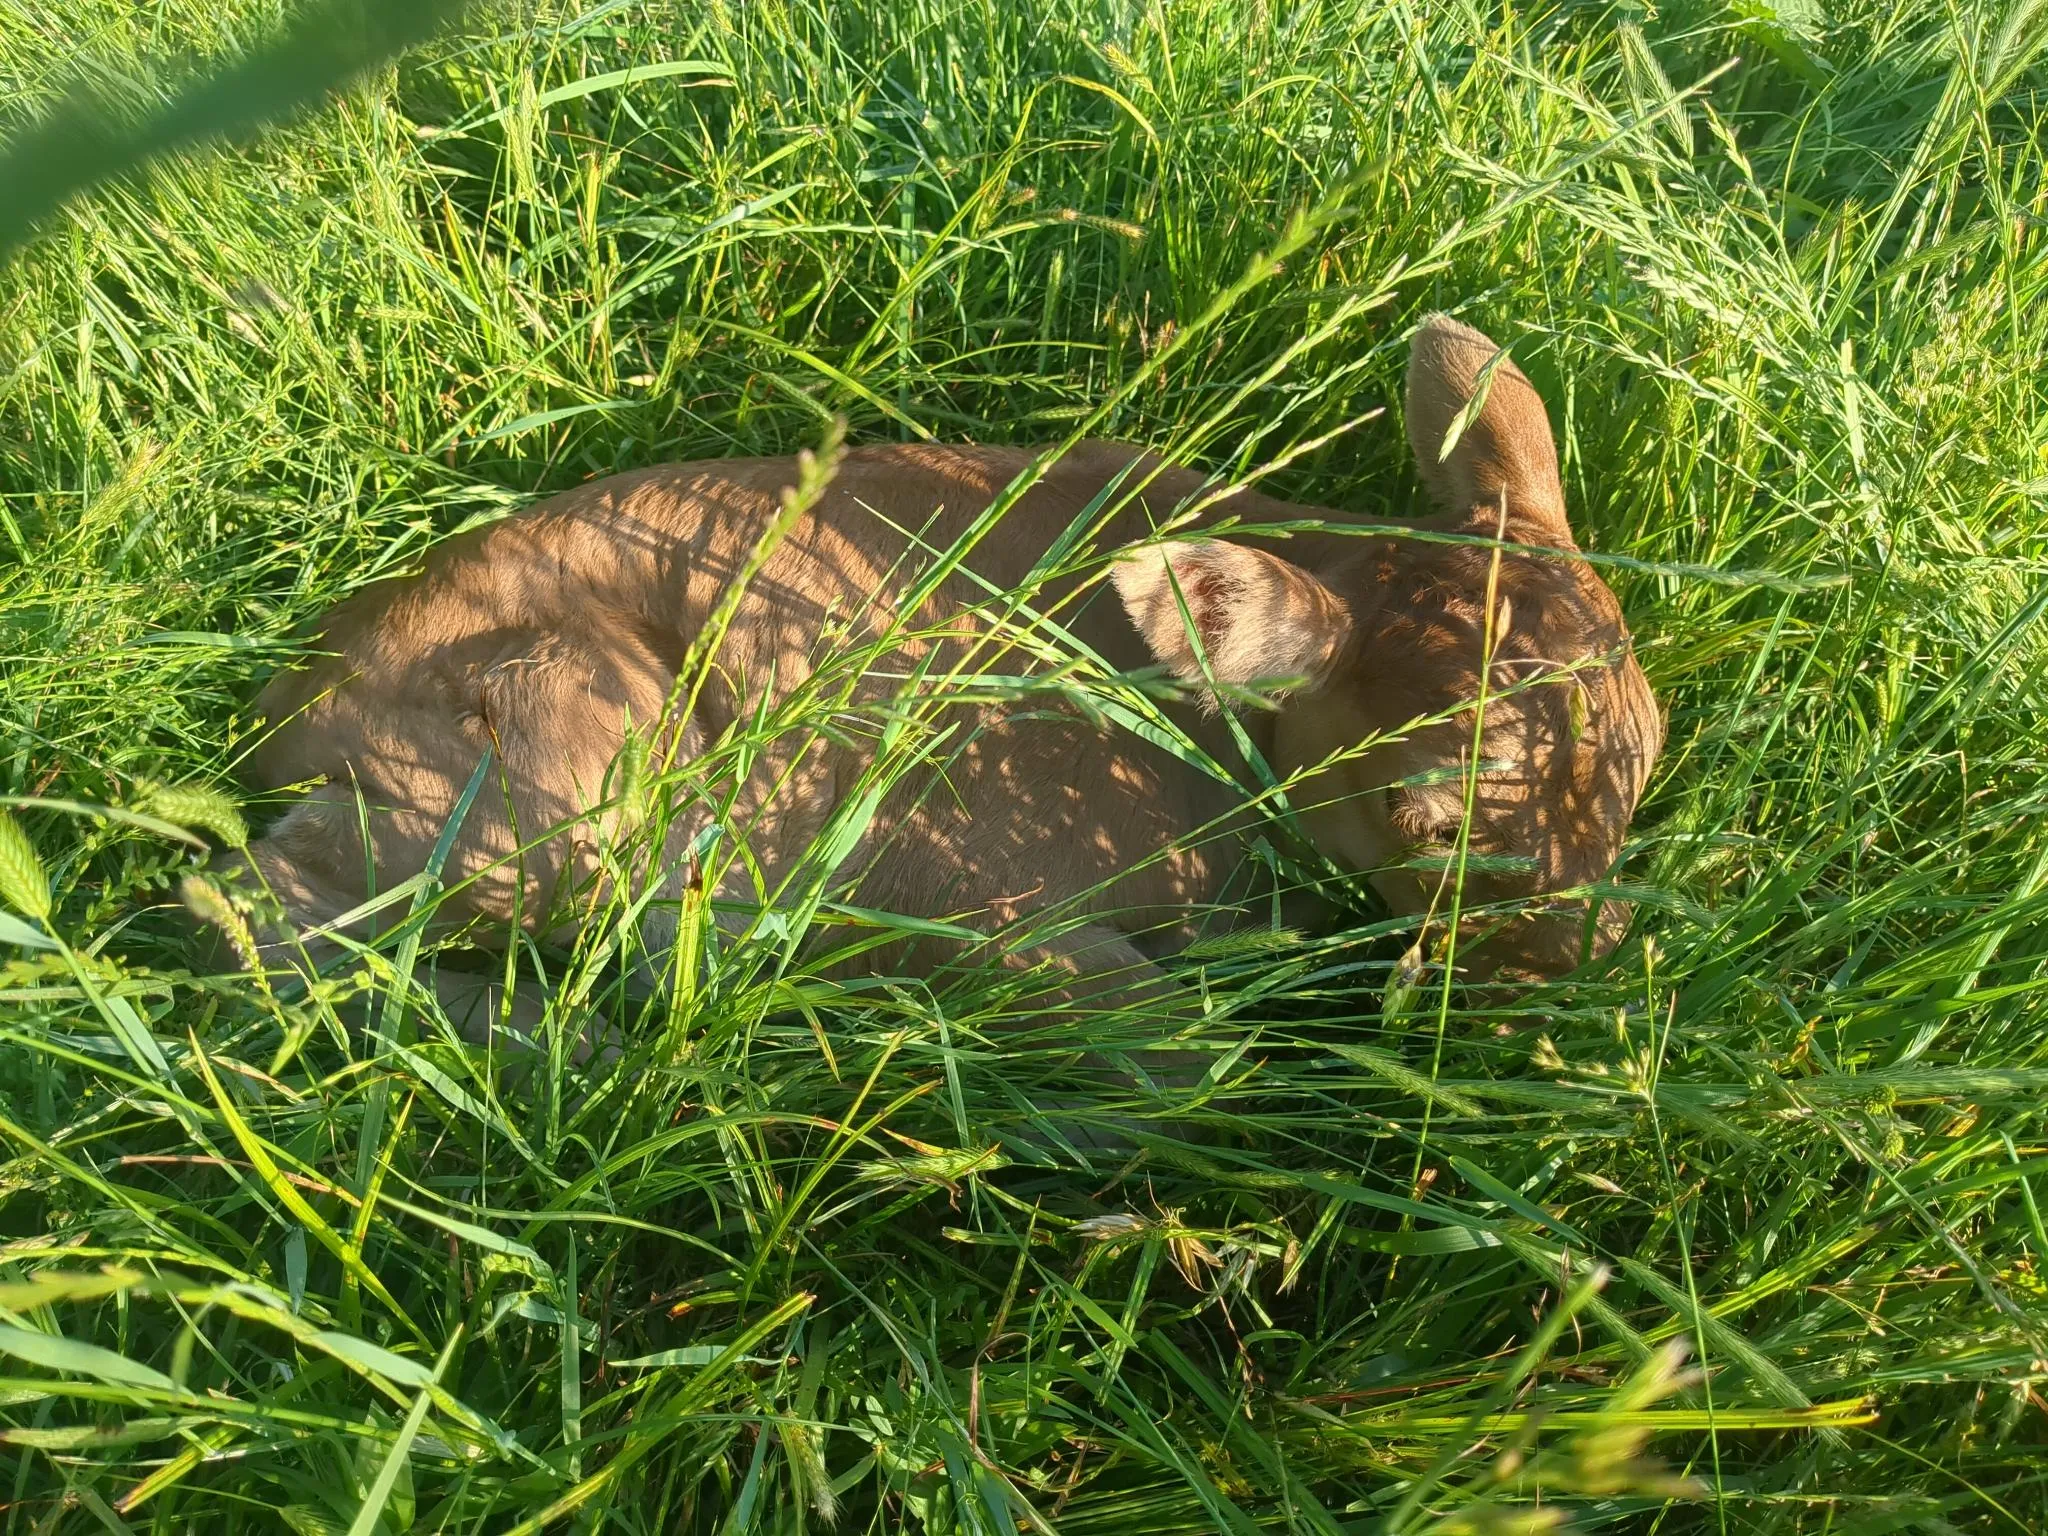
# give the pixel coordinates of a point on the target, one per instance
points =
(391, 1015)
(89, 138)
(814, 478)
(1469, 412)
(1455, 874)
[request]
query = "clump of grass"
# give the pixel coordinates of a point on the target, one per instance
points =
(814, 1253)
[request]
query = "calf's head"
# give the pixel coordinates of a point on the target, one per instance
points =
(1418, 716)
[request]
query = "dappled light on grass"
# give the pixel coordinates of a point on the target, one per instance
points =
(886, 1249)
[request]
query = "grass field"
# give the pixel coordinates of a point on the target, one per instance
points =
(1402, 1264)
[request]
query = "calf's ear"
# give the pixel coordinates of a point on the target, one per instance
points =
(1503, 448)
(1253, 617)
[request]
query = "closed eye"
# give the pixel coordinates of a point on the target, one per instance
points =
(1419, 822)
(1440, 856)
(1433, 844)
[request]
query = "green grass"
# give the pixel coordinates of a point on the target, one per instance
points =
(1792, 326)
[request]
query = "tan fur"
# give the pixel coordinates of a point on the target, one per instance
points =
(554, 634)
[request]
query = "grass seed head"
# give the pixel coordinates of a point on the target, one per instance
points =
(24, 884)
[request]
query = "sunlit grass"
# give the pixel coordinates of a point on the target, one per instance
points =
(813, 1249)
